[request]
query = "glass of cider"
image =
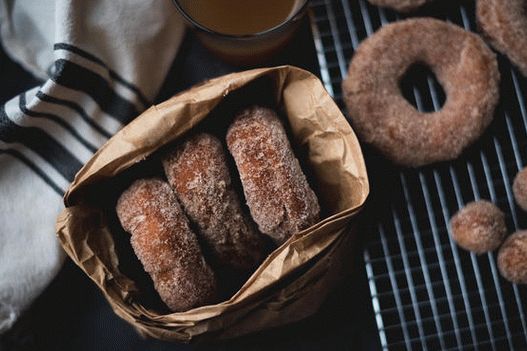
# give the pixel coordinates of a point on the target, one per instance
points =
(243, 32)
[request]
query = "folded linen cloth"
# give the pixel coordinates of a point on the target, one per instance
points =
(101, 63)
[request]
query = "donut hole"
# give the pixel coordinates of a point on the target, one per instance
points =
(421, 89)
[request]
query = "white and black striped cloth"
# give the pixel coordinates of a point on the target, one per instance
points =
(101, 62)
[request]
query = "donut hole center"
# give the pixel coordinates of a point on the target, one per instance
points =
(420, 87)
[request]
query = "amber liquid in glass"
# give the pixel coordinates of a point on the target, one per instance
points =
(239, 17)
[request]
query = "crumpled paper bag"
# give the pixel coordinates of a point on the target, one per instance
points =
(295, 278)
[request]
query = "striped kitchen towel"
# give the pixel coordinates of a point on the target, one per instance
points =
(101, 63)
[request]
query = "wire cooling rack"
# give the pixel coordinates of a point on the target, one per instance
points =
(427, 294)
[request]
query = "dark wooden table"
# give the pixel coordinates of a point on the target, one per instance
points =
(73, 315)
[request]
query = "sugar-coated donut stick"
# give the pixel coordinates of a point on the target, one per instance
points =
(197, 171)
(165, 245)
(277, 192)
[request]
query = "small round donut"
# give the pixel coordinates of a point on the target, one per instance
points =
(479, 227)
(512, 258)
(400, 5)
(504, 25)
(466, 68)
(519, 189)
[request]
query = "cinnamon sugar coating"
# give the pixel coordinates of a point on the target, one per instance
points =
(400, 5)
(466, 68)
(519, 188)
(479, 227)
(197, 171)
(512, 258)
(504, 25)
(276, 190)
(165, 244)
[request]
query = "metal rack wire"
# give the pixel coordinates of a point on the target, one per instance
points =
(428, 294)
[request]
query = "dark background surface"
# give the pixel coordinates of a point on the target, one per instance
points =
(73, 315)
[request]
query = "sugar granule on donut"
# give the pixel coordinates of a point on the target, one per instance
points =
(400, 5)
(279, 197)
(197, 171)
(165, 244)
(512, 258)
(479, 227)
(519, 188)
(463, 64)
(504, 26)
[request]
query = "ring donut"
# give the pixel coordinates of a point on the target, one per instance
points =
(466, 68)
(504, 25)
(400, 5)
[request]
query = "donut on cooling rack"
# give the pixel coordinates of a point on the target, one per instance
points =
(504, 25)
(466, 68)
(479, 227)
(400, 5)
(512, 258)
(519, 188)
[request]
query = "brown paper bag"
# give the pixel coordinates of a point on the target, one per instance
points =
(295, 279)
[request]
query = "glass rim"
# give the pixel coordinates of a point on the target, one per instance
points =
(240, 36)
